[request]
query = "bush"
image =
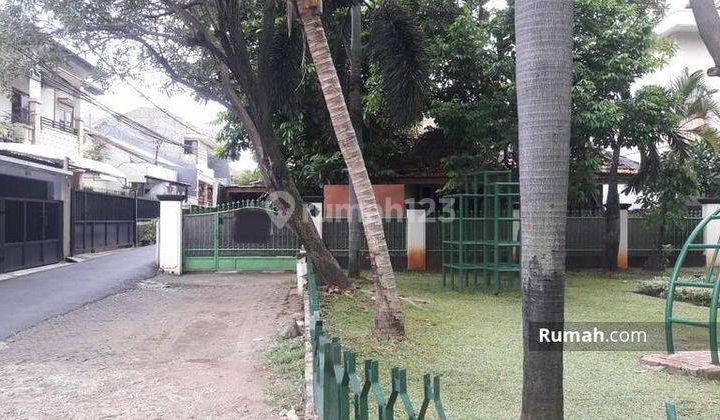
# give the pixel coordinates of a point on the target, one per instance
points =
(146, 232)
(657, 287)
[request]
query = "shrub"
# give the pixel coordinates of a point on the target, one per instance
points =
(657, 287)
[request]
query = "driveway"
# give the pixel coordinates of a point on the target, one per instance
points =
(29, 299)
(172, 347)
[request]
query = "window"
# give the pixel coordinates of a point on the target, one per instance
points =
(191, 147)
(20, 107)
(64, 114)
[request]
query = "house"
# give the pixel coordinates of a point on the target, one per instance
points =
(41, 159)
(168, 156)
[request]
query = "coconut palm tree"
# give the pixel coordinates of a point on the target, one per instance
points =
(543, 72)
(388, 312)
(708, 22)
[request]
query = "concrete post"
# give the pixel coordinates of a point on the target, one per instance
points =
(416, 253)
(317, 216)
(712, 229)
(35, 96)
(78, 110)
(622, 257)
(169, 241)
(301, 272)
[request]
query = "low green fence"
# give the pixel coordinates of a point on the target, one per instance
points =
(336, 382)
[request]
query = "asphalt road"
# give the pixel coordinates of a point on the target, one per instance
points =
(29, 299)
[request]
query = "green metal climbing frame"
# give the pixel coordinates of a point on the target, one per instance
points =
(481, 234)
(710, 281)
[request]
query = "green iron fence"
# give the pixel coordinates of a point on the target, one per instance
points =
(335, 235)
(217, 238)
(338, 390)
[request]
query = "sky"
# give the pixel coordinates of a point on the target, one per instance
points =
(122, 97)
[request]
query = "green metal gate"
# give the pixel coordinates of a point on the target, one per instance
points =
(241, 236)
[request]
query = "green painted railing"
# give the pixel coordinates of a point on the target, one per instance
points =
(338, 390)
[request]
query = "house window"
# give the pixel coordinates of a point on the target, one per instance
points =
(191, 147)
(64, 114)
(20, 112)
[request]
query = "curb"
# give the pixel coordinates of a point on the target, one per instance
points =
(309, 401)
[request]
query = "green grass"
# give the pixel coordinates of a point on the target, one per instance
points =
(473, 341)
(286, 367)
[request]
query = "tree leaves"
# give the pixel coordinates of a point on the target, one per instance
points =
(396, 47)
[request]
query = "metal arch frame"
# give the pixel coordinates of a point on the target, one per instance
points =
(707, 283)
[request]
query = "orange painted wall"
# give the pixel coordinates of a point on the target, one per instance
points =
(390, 198)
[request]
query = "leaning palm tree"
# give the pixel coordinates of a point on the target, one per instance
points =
(388, 312)
(543, 72)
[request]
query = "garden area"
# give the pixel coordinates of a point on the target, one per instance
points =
(471, 341)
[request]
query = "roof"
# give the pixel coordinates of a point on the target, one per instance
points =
(626, 167)
(49, 154)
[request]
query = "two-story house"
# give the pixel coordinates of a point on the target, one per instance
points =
(184, 153)
(41, 159)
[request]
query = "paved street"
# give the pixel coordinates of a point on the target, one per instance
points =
(29, 299)
(171, 347)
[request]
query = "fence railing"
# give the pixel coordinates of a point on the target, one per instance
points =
(338, 390)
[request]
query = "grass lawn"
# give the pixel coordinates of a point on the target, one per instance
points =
(473, 341)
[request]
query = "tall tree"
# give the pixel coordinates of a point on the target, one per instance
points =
(708, 23)
(388, 312)
(544, 42)
(236, 54)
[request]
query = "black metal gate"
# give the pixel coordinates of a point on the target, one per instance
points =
(30, 233)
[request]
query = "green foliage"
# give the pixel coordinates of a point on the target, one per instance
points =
(657, 287)
(285, 361)
(706, 163)
(96, 150)
(246, 177)
(667, 196)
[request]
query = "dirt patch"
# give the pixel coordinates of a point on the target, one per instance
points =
(194, 349)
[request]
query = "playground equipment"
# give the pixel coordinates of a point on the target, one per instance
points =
(707, 282)
(480, 233)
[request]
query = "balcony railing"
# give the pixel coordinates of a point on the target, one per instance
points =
(58, 125)
(20, 116)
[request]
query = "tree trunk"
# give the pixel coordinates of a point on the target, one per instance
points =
(543, 73)
(708, 23)
(612, 213)
(388, 312)
(656, 260)
(356, 113)
(284, 192)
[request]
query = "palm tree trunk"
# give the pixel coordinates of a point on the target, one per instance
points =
(612, 213)
(708, 23)
(543, 73)
(388, 312)
(356, 113)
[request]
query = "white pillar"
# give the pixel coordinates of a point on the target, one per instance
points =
(170, 234)
(78, 110)
(317, 216)
(416, 253)
(712, 229)
(35, 97)
(622, 257)
(301, 272)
